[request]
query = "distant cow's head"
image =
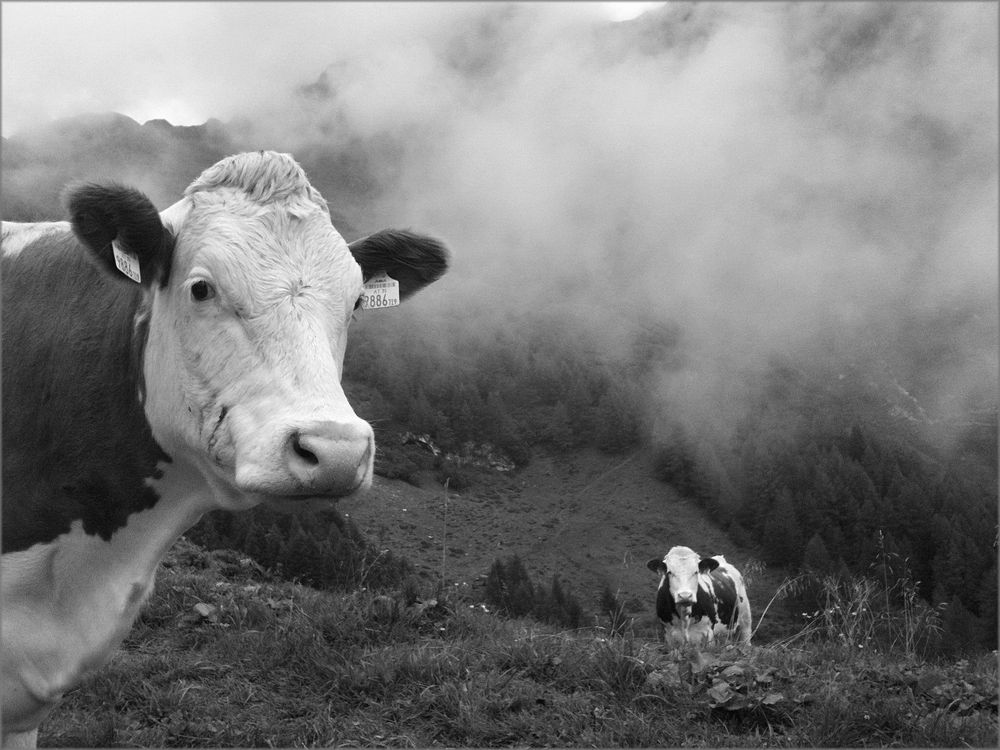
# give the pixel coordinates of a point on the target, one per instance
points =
(248, 294)
(679, 570)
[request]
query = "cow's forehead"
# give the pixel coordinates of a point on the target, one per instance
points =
(682, 559)
(236, 229)
(260, 201)
(250, 236)
(263, 177)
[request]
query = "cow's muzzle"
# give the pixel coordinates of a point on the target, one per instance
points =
(330, 458)
(312, 459)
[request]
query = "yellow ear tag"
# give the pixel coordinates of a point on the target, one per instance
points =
(380, 291)
(128, 263)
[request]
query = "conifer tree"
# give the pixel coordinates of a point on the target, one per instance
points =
(205, 533)
(422, 419)
(615, 424)
(274, 542)
(300, 553)
(579, 401)
(522, 592)
(781, 532)
(987, 602)
(253, 545)
(509, 588)
(496, 585)
(961, 631)
(559, 430)
(614, 610)
(816, 558)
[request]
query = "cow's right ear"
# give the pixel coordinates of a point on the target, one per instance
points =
(657, 565)
(414, 260)
(707, 565)
(117, 220)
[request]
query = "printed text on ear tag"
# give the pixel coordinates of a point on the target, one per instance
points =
(128, 263)
(380, 291)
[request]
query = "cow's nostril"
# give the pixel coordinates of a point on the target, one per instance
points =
(304, 453)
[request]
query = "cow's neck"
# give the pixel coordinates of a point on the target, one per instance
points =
(91, 503)
(89, 590)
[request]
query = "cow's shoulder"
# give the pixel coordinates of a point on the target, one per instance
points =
(17, 236)
(76, 443)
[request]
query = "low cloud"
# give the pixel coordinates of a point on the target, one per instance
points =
(811, 181)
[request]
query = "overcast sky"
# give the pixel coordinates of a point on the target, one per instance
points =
(188, 61)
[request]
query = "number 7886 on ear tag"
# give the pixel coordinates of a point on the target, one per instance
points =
(380, 291)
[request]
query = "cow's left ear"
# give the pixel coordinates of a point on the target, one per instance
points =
(110, 218)
(414, 260)
(657, 565)
(707, 565)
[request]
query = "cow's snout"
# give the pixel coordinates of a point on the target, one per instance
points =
(685, 599)
(330, 458)
(297, 458)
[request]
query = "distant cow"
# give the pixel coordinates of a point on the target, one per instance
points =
(207, 377)
(695, 588)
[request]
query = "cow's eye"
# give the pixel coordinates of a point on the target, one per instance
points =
(201, 290)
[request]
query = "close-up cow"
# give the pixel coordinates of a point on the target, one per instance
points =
(208, 378)
(696, 594)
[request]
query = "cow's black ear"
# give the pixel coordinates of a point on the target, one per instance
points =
(707, 565)
(106, 214)
(656, 565)
(414, 260)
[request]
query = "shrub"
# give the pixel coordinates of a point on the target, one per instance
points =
(611, 607)
(510, 591)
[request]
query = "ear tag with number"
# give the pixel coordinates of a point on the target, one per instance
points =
(380, 291)
(128, 263)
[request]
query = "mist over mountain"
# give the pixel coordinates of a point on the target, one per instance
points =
(813, 182)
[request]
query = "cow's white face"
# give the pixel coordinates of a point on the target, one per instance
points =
(247, 295)
(246, 346)
(681, 575)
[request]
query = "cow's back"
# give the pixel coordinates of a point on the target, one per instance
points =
(730, 598)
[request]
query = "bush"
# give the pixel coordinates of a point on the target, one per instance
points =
(509, 589)
(320, 549)
(613, 608)
(860, 614)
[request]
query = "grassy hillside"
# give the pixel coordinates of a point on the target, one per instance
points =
(225, 656)
(590, 518)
